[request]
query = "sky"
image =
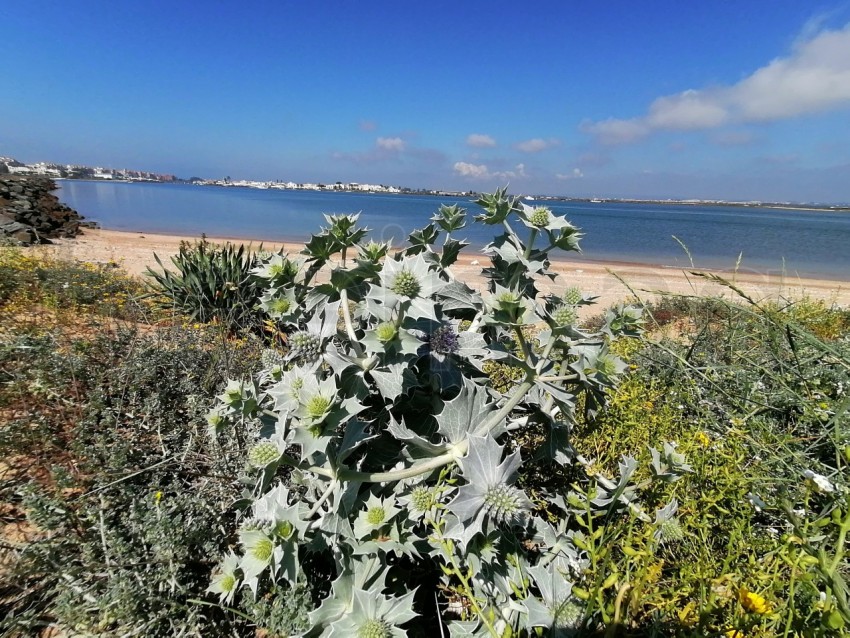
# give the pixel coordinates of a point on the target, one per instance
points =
(714, 100)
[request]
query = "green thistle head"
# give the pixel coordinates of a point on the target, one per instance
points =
(215, 420)
(406, 284)
(263, 550)
(564, 315)
(671, 531)
(227, 583)
(567, 614)
(284, 529)
(386, 332)
(280, 305)
(272, 359)
(504, 503)
(376, 515)
(375, 628)
(573, 295)
(317, 406)
(305, 346)
(540, 217)
(508, 300)
(276, 270)
(422, 498)
(263, 454)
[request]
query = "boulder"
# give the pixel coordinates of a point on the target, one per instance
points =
(28, 202)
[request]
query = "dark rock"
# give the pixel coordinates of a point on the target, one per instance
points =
(19, 232)
(29, 202)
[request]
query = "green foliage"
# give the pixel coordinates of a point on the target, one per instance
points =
(415, 437)
(384, 443)
(28, 277)
(210, 282)
(118, 479)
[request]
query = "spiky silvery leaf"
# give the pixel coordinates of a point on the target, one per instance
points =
(488, 492)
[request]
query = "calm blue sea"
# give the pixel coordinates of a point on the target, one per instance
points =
(770, 240)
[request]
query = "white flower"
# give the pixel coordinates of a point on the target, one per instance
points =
(820, 482)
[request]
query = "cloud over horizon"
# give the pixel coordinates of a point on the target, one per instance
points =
(813, 78)
(390, 143)
(479, 140)
(537, 144)
(481, 172)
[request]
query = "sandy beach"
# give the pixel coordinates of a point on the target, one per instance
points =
(134, 252)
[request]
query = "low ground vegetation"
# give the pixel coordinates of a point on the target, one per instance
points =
(694, 485)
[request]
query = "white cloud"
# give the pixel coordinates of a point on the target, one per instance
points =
(481, 172)
(537, 144)
(576, 174)
(478, 140)
(367, 125)
(390, 143)
(465, 169)
(814, 77)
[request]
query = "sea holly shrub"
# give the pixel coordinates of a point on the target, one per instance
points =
(384, 457)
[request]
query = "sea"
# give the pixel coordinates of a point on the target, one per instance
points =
(767, 241)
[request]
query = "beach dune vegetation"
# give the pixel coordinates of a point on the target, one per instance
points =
(399, 454)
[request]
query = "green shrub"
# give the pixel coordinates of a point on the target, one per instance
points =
(210, 282)
(113, 465)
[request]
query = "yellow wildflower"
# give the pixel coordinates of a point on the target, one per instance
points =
(703, 439)
(753, 602)
(157, 497)
(734, 633)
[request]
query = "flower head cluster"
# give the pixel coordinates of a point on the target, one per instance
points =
(488, 493)
(263, 453)
(409, 282)
(306, 346)
(376, 513)
(444, 340)
(280, 304)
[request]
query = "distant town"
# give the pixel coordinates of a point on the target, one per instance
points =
(10, 165)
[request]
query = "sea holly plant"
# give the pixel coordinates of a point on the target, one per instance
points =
(381, 455)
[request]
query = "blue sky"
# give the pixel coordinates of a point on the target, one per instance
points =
(745, 100)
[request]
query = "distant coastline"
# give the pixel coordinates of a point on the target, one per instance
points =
(531, 199)
(60, 172)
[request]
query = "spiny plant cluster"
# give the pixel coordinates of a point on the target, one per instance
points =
(382, 456)
(210, 282)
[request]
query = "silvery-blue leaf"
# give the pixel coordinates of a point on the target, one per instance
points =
(355, 436)
(556, 446)
(393, 381)
(621, 491)
(463, 414)
(335, 526)
(403, 433)
(667, 512)
(312, 447)
(456, 295)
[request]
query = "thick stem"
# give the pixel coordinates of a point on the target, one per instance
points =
(532, 235)
(349, 326)
(324, 497)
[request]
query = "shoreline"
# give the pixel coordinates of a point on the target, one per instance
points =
(134, 252)
(824, 208)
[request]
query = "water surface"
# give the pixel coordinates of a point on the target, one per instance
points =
(769, 241)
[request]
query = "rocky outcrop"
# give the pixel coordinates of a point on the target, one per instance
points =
(31, 214)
